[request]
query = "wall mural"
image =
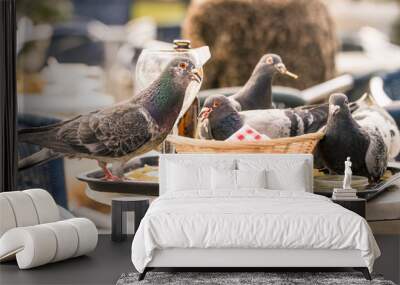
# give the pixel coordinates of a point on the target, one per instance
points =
(97, 90)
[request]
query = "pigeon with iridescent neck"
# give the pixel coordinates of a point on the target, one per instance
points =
(120, 132)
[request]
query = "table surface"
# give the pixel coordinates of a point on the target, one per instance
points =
(102, 266)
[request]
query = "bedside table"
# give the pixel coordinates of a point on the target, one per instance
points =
(122, 206)
(356, 205)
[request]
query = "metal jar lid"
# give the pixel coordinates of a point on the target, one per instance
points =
(182, 44)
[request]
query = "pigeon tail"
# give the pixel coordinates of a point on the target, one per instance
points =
(37, 135)
(365, 100)
(43, 156)
(314, 117)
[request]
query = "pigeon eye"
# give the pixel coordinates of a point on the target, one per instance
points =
(216, 104)
(183, 65)
(270, 60)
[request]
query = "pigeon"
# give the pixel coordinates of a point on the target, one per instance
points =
(345, 137)
(219, 119)
(257, 92)
(120, 132)
(370, 114)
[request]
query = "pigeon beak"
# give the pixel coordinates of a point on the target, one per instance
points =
(283, 70)
(334, 109)
(197, 75)
(204, 113)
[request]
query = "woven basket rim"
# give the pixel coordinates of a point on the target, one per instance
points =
(179, 140)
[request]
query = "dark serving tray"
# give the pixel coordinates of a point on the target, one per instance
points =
(96, 183)
(374, 191)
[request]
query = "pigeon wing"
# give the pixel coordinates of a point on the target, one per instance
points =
(376, 158)
(112, 132)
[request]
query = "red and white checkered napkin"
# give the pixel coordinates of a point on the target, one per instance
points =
(247, 133)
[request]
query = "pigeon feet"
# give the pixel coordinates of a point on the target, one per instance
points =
(111, 177)
(108, 176)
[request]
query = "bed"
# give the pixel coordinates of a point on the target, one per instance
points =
(247, 210)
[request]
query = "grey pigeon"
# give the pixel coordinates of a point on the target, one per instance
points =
(370, 114)
(219, 119)
(122, 131)
(257, 92)
(344, 137)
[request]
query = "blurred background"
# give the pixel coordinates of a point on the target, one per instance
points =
(75, 56)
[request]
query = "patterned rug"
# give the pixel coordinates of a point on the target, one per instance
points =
(243, 278)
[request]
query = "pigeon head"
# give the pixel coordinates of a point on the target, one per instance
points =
(338, 105)
(273, 63)
(216, 107)
(184, 71)
(164, 98)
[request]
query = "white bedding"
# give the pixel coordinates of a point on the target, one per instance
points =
(250, 219)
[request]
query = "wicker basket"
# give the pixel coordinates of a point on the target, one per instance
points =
(300, 144)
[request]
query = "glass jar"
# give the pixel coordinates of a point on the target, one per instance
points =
(152, 62)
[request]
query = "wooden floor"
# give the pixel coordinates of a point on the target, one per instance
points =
(103, 266)
(110, 260)
(389, 263)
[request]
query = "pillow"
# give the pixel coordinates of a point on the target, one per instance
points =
(282, 174)
(183, 177)
(195, 174)
(251, 178)
(231, 180)
(223, 179)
